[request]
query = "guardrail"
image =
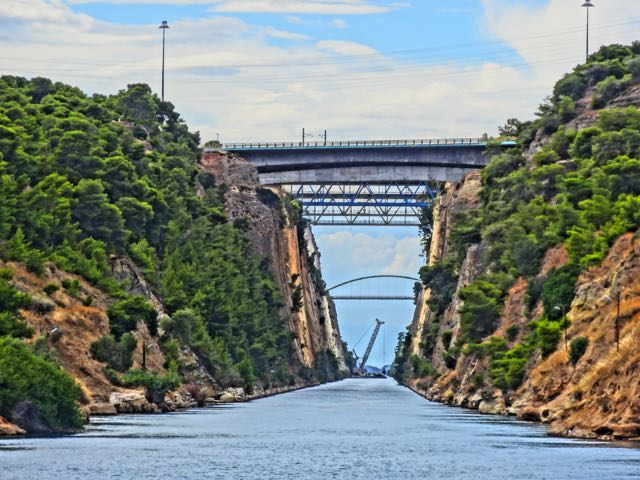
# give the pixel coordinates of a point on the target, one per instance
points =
(356, 143)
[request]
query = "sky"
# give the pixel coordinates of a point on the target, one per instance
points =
(261, 70)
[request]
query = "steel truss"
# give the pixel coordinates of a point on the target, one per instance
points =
(364, 203)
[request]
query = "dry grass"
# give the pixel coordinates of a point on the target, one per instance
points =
(616, 362)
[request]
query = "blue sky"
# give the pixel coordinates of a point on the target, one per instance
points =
(419, 25)
(362, 69)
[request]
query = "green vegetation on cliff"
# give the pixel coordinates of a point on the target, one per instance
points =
(580, 189)
(83, 179)
(26, 376)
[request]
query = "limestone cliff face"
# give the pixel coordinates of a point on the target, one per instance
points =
(600, 397)
(455, 199)
(294, 256)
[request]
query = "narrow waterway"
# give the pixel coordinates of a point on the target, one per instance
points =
(356, 429)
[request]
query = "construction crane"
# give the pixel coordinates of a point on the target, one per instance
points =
(374, 335)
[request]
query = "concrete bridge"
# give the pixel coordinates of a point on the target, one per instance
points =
(356, 162)
(382, 182)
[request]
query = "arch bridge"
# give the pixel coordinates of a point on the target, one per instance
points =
(372, 297)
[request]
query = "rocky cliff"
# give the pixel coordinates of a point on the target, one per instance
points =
(294, 256)
(597, 398)
(501, 343)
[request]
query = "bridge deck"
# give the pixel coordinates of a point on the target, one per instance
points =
(438, 142)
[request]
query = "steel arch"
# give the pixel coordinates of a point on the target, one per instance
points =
(404, 277)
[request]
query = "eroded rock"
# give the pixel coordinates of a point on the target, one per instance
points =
(28, 417)
(8, 429)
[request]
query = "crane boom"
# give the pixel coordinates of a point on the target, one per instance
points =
(374, 335)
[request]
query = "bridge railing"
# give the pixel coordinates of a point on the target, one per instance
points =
(355, 143)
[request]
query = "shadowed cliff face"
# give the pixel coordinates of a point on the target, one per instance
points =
(293, 255)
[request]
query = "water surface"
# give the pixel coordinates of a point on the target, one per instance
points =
(356, 429)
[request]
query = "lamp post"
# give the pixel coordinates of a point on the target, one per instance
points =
(564, 324)
(163, 26)
(617, 324)
(588, 4)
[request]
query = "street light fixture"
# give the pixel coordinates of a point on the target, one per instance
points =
(564, 324)
(588, 4)
(163, 26)
(617, 324)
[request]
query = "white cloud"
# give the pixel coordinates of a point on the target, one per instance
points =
(303, 7)
(318, 7)
(225, 76)
(361, 254)
(283, 35)
(339, 23)
(345, 48)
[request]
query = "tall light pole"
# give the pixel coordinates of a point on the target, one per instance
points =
(617, 324)
(564, 324)
(164, 27)
(588, 4)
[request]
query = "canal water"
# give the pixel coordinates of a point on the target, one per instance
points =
(355, 429)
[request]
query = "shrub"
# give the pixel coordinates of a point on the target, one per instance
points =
(421, 367)
(429, 338)
(465, 231)
(447, 335)
(11, 301)
(14, 327)
(296, 299)
(71, 286)
(572, 85)
(583, 144)
(118, 355)
(634, 69)
(558, 291)
(450, 357)
(561, 142)
(171, 350)
(245, 368)
(617, 119)
(577, 348)
(125, 314)
(566, 109)
(507, 369)
(512, 332)
(546, 336)
(50, 288)
(608, 146)
(481, 309)
(28, 377)
(35, 262)
(478, 380)
(442, 281)
(609, 88)
(546, 157)
(155, 385)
